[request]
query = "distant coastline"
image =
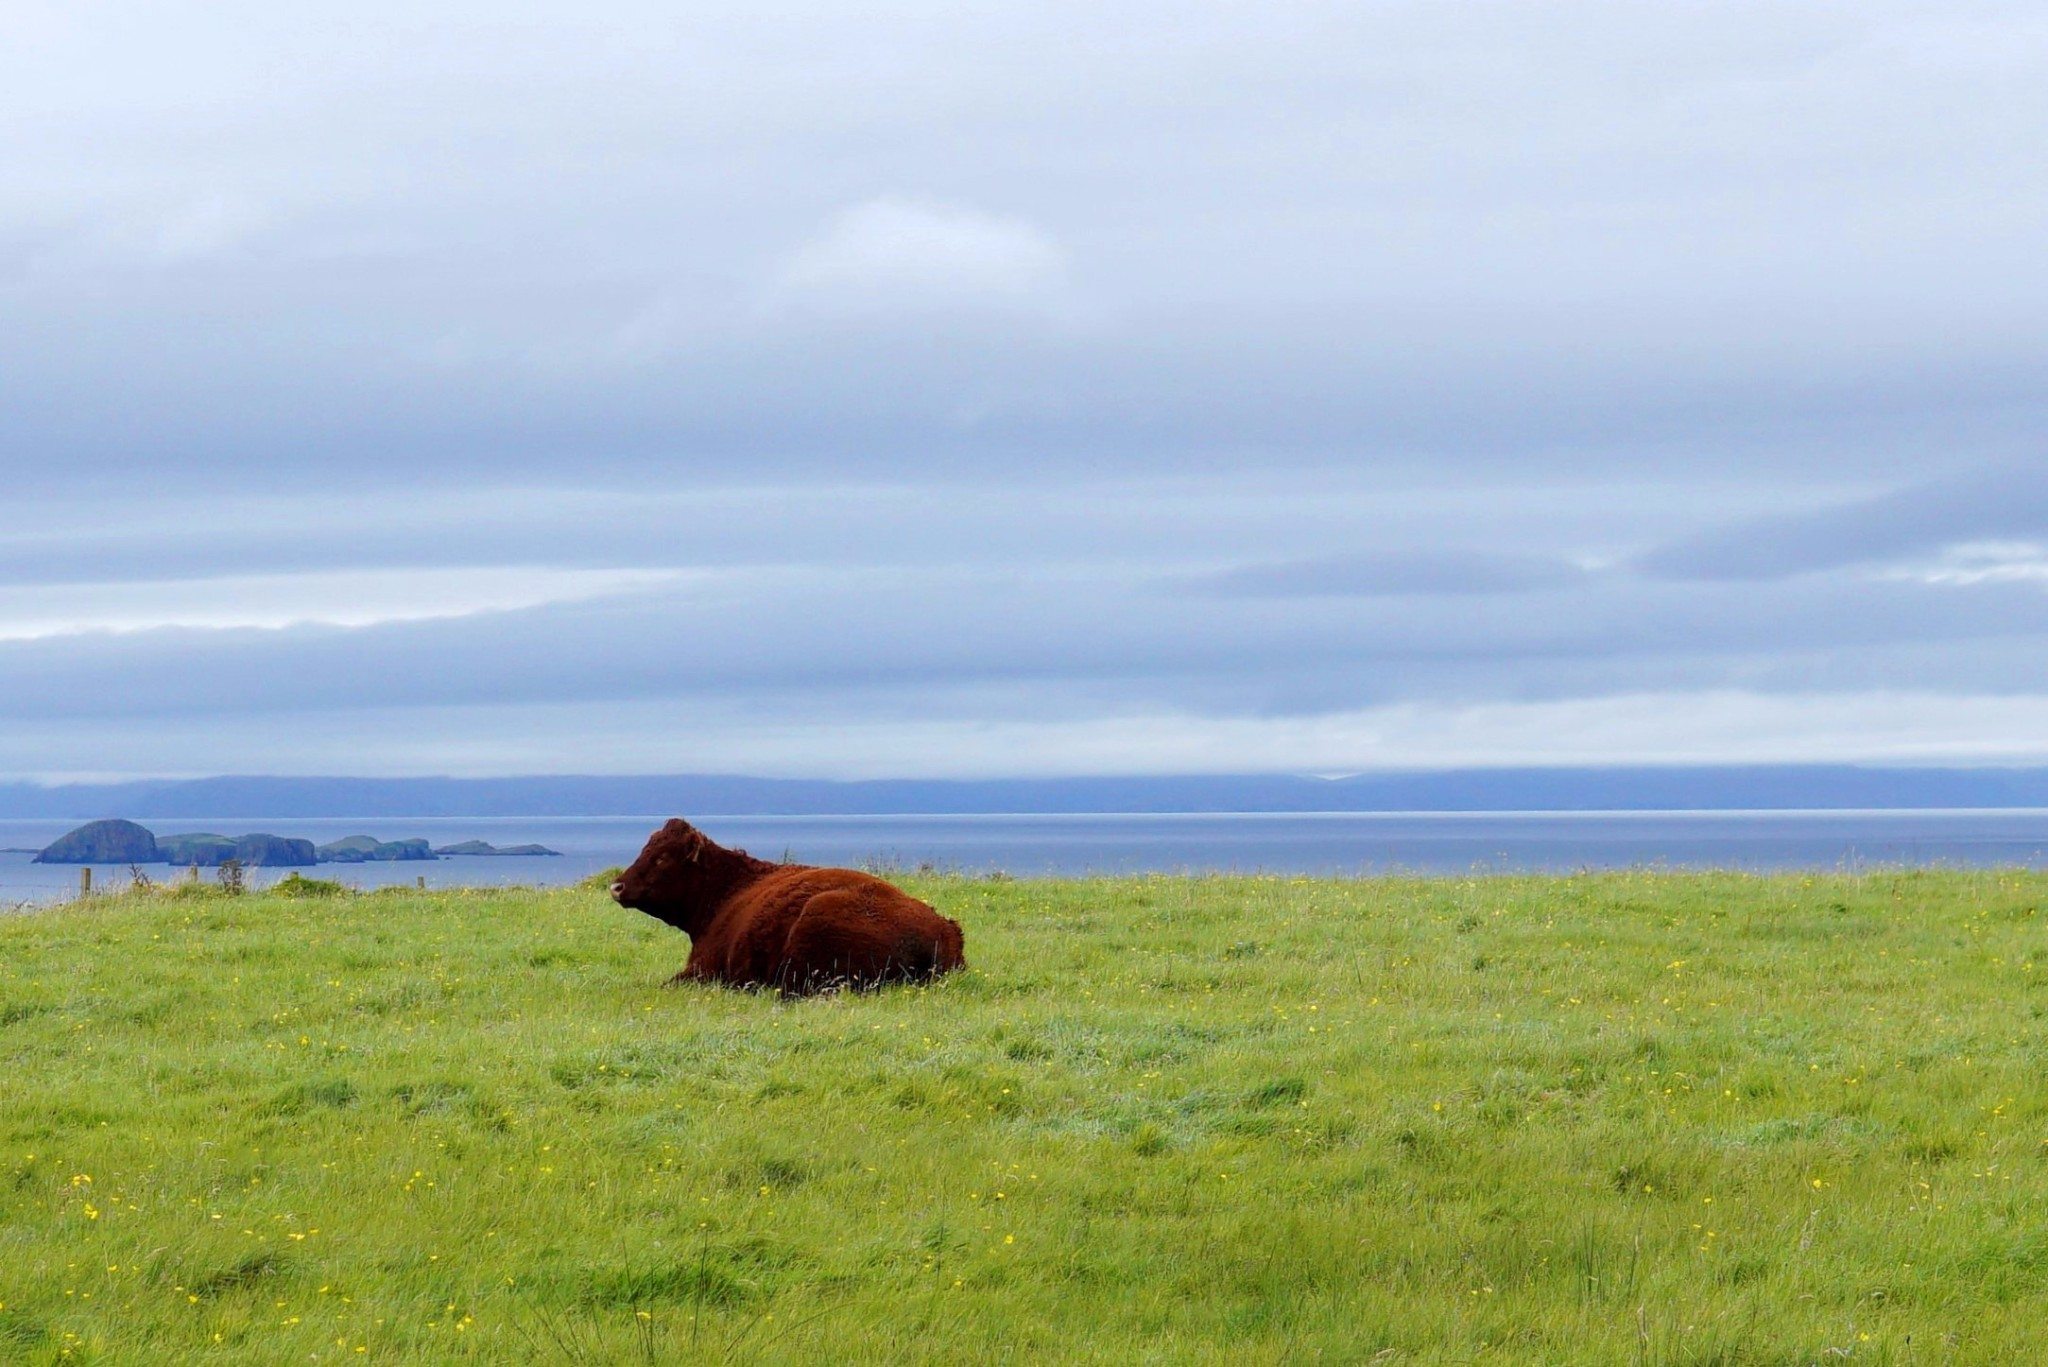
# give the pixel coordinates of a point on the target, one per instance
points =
(119, 841)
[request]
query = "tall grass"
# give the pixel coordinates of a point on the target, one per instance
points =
(1622, 1118)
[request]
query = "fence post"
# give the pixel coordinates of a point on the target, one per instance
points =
(85, 881)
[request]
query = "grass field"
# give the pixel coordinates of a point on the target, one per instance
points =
(1626, 1118)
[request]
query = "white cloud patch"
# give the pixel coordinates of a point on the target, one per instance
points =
(353, 598)
(205, 227)
(1981, 562)
(894, 254)
(153, 234)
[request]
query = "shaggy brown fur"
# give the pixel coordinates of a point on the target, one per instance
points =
(788, 926)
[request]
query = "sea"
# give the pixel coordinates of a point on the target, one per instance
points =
(1024, 846)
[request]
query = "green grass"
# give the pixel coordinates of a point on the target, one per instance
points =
(1627, 1118)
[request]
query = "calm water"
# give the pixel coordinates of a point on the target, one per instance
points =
(1330, 843)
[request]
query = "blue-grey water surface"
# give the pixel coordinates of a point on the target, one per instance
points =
(1025, 845)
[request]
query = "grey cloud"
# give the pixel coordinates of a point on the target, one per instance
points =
(2009, 501)
(880, 640)
(1197, 523)
(1383, 573)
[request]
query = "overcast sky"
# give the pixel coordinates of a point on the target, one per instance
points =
(915, 389)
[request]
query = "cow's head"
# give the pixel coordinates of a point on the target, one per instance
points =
(673, 878)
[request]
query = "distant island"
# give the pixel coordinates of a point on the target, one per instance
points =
(483, 847)
(125, 842)
(368, 849)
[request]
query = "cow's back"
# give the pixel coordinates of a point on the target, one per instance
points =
(854, 919)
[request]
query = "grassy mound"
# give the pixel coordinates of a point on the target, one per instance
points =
(1626, 1118)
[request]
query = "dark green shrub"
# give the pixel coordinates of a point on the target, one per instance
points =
(297, 885)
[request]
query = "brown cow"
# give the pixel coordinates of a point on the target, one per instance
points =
(788, 926)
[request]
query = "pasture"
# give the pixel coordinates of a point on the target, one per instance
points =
(1639, 1118)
